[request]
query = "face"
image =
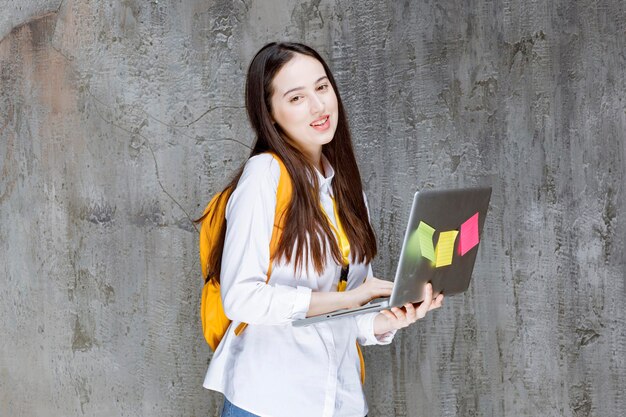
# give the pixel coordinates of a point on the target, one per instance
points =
(304, 104)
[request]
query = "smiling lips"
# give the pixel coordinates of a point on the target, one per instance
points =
(322, 123)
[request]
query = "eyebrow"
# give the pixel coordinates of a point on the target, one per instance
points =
(300, 88)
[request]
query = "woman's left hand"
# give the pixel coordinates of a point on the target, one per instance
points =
(398, 318)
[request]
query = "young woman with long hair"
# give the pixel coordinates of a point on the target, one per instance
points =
(272, 368)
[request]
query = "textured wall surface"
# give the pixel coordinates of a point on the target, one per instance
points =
(118, 120)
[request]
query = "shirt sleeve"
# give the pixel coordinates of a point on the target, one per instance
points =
(365, 327)
(246, 256)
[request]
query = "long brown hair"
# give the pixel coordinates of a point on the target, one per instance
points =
(306, 226)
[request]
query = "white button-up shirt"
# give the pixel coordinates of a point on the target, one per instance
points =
(273, 369)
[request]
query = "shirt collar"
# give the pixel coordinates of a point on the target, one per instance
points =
(325, 181)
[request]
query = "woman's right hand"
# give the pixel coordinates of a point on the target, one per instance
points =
(370, 289)
(326, 301)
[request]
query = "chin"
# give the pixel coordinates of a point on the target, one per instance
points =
(327, 139)
(331, 133)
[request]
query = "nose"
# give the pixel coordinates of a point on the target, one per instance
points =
(317, 104)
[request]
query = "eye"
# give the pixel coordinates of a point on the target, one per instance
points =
(323, 87)
(295, 99)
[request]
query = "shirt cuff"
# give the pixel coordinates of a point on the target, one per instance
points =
(366, 336)
(386, 338)
(301, 303)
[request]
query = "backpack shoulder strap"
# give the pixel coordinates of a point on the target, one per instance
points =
(217, 207)
(283, 199)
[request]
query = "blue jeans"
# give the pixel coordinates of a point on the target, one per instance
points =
(231, 410)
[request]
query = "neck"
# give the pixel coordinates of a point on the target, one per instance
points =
(320, 168)
(315, 156)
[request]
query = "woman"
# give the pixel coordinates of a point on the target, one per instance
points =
(272, 368)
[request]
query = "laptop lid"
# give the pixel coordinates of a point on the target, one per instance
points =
(440, 245)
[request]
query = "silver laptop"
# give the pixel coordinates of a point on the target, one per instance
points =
(440, 246)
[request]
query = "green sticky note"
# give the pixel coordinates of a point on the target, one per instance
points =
(425, 233)
(445, 248)
(412, 250)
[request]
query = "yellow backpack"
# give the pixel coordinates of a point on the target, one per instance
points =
(215, 323)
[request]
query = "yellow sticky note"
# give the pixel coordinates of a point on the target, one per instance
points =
(425, 233)
(445, 248)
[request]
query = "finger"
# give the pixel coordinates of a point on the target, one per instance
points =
(411, 316)
(437, 302)
(388, 314)
(425, 306)
(393, 318)
(400, 315)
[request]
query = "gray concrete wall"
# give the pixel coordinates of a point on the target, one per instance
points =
(118, 120)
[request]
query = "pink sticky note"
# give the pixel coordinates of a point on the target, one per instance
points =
(469, 234)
